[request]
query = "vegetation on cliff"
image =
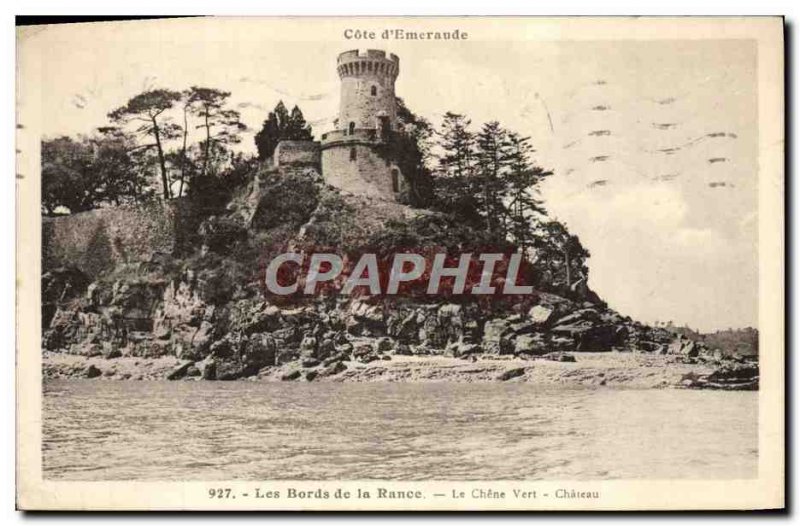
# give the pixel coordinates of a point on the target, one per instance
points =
(281, 125)
(205, 302)
(159, 142)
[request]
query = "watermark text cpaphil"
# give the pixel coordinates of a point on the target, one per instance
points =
(469, 273)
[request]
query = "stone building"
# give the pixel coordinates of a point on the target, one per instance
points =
(356, 155)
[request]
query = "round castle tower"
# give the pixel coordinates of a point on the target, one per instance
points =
(354, 155)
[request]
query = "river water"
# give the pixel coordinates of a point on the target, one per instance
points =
(96, 430)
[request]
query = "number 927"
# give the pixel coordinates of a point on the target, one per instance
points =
(219, 493)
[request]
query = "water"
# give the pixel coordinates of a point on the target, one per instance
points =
(240, 430)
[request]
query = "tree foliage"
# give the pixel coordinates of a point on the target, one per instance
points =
(410, 149)
(279, 126)
(560, 256)
(523, 204)
(87, 172)
(492, 163)
(485, 182)
(117, 164)
(488, 180)
(147, 111)
(221, 125)
(455, 185)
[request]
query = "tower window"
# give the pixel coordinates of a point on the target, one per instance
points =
(351, 128)
(384, 125)
(374, 90)
(352, 154)
(395, 181)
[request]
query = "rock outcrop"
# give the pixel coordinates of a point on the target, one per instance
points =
(206, 309)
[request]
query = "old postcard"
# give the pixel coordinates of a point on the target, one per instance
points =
(401, 264)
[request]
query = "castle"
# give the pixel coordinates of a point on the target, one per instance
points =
(355, 155)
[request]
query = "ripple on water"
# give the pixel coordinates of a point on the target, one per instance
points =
(244, 430)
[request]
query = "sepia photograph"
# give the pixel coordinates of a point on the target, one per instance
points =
(400, 263)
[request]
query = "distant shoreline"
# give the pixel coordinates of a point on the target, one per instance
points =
(600, 369)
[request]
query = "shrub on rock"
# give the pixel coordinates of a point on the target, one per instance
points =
(511, 373)
(332, 369)
(92, 372)
(220, 233)
(294, 374)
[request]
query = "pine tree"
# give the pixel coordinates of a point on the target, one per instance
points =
(523, 179)
(561, 254)
(455, 184)
(493, 158)
(296, 127)
(221, 125)
(281, 125)
(458, 146)
(148, 111)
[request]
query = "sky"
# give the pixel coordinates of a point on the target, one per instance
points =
(653, 144)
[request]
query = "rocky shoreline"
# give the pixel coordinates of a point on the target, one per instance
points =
(202, 312)
(157, 330)
(611, 370)
(167, 330)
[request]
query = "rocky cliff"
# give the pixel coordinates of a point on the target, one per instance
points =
(204, 305)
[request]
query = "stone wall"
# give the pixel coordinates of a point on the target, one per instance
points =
(297, 153)
(367, 89)
(368, 174)
(98, 240)
(359, 106)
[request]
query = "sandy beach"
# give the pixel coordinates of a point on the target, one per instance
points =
(610, 369)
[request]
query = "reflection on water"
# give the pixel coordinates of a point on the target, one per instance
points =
(97, 430)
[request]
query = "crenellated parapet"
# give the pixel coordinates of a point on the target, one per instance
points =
(355, 156)
(371, 62)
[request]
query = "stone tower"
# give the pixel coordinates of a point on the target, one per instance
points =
(356, 155)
